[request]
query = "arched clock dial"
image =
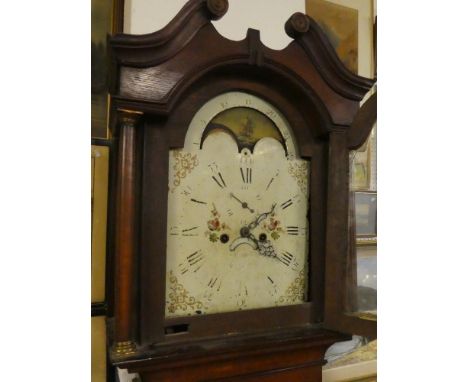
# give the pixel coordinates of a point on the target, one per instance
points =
(237, 211)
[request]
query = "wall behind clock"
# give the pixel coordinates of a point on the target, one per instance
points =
(268, 16)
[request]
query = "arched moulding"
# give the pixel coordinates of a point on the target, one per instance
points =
(161, 45)
(308, 34)
(156, 69)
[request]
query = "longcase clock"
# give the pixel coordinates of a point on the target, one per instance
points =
(232, 209)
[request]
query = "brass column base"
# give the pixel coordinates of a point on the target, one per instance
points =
(123, 348)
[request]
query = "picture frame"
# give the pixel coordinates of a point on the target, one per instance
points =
(365, 207)
(349, 25)
(99, 197)
(99, 369)
(361, 273)
(363, 164)
(106, 18)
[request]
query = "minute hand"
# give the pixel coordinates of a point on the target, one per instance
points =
(261, 217)
(244, 204)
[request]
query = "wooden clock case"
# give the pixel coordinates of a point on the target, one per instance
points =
(160, 81)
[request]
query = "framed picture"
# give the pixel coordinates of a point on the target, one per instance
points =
(98, 349)
(106, 18)
(99, 187)
(349, 25)
(361, 272)
(363, 165)
(365, 208)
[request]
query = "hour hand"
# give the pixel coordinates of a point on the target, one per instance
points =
(244, 204)
(261, 217)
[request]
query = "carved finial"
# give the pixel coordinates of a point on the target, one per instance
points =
(217, 8)
(297, 24)
(255, 47)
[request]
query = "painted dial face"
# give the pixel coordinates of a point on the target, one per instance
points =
(237, 211)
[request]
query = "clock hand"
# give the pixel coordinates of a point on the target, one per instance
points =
(264, 247)
(261, 217)
(244, 204)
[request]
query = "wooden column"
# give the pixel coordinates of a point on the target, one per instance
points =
(337, 227)
(125, 247)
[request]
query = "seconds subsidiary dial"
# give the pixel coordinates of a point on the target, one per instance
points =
(237, 211)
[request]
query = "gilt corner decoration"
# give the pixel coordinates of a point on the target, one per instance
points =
(231, 183)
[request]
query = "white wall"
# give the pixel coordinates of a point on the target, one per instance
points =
(268, 16)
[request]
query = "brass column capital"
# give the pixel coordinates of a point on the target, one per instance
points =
(128, 117)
